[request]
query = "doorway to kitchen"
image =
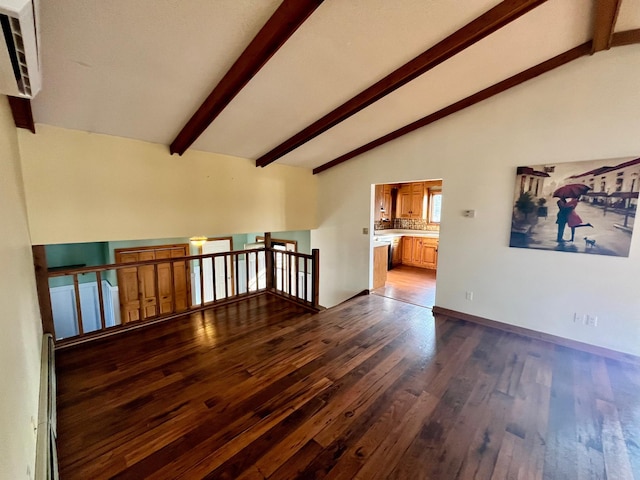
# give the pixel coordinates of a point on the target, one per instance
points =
(406, 236)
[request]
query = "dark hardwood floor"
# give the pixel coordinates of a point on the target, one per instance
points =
(410, 284)
(372, 389)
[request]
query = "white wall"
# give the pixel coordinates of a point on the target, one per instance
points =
(589, 109)
(84, 187)
(20, 325)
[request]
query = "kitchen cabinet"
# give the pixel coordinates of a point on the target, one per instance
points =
(380, 259)
(429, 253)
(382, 202)
(407, 250)
(410, 200)
(420, 252)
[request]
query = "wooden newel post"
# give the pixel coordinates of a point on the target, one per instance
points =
(315, 278)
(268, 257)
(42, 287)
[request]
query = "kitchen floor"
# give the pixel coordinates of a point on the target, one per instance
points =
(410, 284)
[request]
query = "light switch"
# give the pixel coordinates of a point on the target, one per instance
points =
(365, 231)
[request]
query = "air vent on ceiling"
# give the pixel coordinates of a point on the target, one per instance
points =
(19, 61)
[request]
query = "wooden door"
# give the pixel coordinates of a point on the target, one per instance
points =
(386, 201)
(404, 201)
(378, 203)
(142, 294)
(181, 279)
(128, 289)
(165, 292)
(147, 285)
(429, 253)
(417, 199)
(417, 252)
(407, 250)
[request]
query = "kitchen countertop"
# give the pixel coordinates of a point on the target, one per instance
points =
(379, 234)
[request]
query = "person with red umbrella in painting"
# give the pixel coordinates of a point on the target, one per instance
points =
(567, 209)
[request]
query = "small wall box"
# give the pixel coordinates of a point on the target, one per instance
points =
(469, 213)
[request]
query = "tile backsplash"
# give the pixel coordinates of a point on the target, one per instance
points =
(406, 224)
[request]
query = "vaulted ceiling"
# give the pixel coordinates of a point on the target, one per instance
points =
(141, 69)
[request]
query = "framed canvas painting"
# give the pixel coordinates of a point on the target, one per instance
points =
(581, 207)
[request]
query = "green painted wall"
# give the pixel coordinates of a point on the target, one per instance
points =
(303, 237)
(61, 255)
(101, 253)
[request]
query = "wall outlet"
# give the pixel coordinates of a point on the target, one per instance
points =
(469, 213)
(365, 231)
(469, 296)
(591, 320)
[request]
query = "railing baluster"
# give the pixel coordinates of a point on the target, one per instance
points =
(289, 272)
(101, 300)
(76, 289)
(237, 270)
(315, 266)
(257, 271)
(156, 288)
(290, 269)
(173, 286)
(306, 282)
(246, 267)
(296, 269)
(201, 281)
(213, 278)
(226, 276)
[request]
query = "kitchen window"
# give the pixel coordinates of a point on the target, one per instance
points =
(435, 202)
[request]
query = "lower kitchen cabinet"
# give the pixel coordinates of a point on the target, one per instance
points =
(420, 252)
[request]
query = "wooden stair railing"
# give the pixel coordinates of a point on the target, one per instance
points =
(247, 273)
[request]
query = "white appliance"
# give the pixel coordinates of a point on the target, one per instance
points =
(20, 74)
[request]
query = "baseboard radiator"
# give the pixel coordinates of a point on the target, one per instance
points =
(46, 455)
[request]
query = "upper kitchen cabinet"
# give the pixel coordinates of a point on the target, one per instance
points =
(410, 200)
(382, 203)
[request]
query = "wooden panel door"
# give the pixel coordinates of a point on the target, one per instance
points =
(386, 201)
(417, 199)
(128, 289)
(378, 203)
(429, 254)
(165, 292)
(417, 252)
(142, 294)
(407, 250)
(404, 201)
(147, 285)
(181, 279)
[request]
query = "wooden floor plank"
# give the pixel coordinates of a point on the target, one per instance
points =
(374, 388)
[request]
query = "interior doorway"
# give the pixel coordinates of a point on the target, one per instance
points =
(217, 277)
(405, 240)
(410, 284)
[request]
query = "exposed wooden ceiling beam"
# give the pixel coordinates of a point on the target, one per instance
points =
(22, 114)
(604, 21)
(628, 37)
(282, 24)
(487, 23)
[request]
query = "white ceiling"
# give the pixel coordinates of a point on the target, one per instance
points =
(141, 68)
